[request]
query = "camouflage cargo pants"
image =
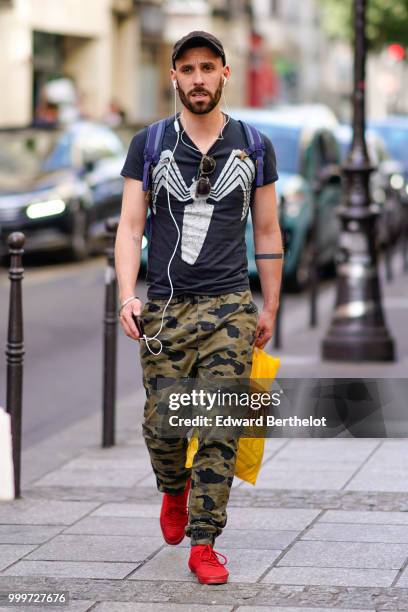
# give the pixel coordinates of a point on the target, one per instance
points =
(200, 335)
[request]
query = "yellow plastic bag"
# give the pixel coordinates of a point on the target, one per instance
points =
(250, 450)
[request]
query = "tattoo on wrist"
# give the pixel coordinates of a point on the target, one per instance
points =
(269, 256)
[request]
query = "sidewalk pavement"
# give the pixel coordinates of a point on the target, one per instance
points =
(325, 528)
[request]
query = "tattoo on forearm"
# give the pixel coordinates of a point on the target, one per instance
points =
(269, 256)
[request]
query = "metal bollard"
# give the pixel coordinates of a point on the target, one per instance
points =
(277, 340)
(388, 248)
(404, 240)
(15, 351)
(314, 270)
(110, 338)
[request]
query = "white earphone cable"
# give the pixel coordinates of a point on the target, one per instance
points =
(146, 338)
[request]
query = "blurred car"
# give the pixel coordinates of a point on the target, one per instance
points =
(394, 131)
(385, 183)
(59, 186)
(305, 152)
(319, 115)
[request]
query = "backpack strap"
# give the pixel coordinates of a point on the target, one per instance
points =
(255, 145)
(152, 150)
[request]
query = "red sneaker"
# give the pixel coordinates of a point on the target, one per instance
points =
(174, 516)
(205, 565)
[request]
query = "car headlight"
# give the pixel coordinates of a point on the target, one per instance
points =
(45, 209)
(397, 181)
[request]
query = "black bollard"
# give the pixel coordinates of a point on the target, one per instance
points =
(314, 270)
(388, 246)
(15, 351)
(404, 237)
(277, 340)
(110, 338)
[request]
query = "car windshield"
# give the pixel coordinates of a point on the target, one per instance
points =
(60, 156)
(286, 142)
(395, 137)
(22, 154)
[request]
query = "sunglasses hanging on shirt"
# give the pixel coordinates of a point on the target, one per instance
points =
(203, 185)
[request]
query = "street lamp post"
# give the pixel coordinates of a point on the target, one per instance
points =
(358, 330)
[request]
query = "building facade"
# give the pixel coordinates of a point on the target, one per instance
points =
(96, 44)
(115, 52)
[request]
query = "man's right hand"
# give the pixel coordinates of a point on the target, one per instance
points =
(129, 326)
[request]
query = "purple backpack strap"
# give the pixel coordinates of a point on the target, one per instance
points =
(152, 150)
(255, 145)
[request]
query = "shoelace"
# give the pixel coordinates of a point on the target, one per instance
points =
(212, 556)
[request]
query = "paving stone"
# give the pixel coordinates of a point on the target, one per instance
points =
(99, 476)
(186, 592)
(117, 453)
(330, 576)
(337, 532)
(43, 511)
(291, 609)
(9, 553)
(70, 569)
(365, 518)
(402, 582)
(130, 510)
(328, 449)
(240, 538)
(171, 564)
(391, 450)
(270, 518)
(147, 480)
(274, 444)
(289, 477)
(120, 526)
(250, 497)
(94, 462)
(27, 534)
(346, 554)
(97, 548)
(74, 606)
(379, 479)
(306, 464)
(124, 606)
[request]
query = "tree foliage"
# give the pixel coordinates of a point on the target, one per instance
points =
(387, 21)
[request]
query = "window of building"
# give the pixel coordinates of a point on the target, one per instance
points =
(274, 8)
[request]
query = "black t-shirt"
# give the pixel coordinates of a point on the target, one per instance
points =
(211, 255)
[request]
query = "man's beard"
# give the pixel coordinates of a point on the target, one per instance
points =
(201, 107)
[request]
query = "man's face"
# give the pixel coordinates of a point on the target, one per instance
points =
(199, 73)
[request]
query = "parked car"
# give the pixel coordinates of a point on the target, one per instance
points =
(304, 152)
(394, 131)
(385, 183)
(319, 115)
(59, 186)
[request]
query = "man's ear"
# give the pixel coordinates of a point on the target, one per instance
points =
(225, 75)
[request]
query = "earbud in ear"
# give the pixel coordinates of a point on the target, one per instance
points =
(224, 81)
(174, 84)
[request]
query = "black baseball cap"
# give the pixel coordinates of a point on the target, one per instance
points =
(198, 38)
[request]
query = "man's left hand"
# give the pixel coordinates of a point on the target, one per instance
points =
(264, 328)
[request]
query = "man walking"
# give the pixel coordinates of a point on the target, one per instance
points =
(201, 189)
